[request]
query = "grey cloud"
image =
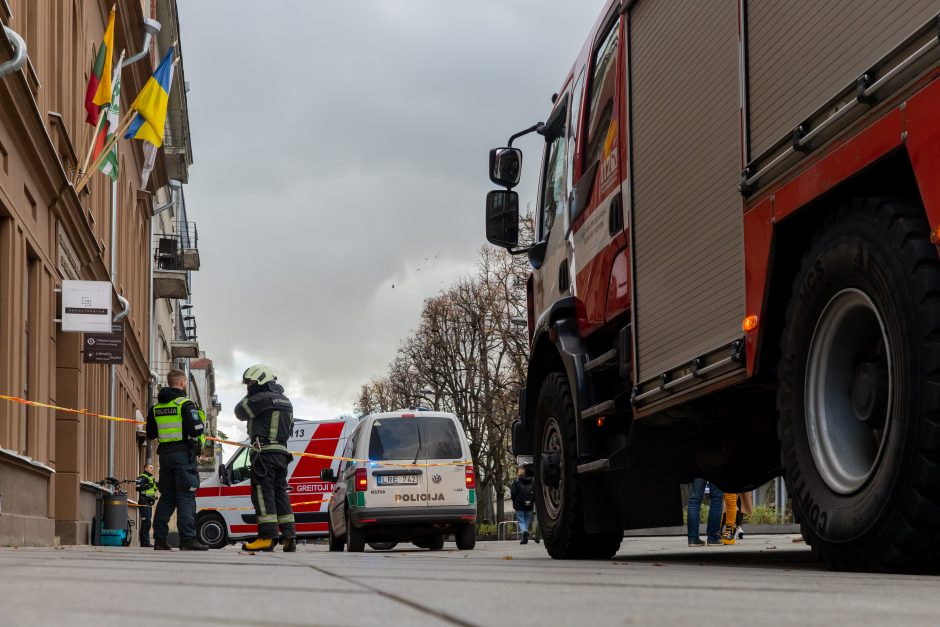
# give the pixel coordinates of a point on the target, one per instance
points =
(337, 145)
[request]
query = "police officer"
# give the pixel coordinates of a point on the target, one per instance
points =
(146, 496)
(179, 426)
(270, 418)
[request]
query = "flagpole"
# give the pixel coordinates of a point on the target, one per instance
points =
(82, 182)
(102, 116)
(125, 124)
(91, 145)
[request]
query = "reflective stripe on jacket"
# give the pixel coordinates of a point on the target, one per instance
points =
(169, 418)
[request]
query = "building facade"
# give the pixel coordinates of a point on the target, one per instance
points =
(50, 461)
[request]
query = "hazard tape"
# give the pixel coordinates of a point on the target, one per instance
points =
(85, 412)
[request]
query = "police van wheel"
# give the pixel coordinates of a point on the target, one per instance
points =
(336, 544)
(355, 538)
(858, 401)
(558, 495)
(211, 531)
(436, 543)
(466, 537)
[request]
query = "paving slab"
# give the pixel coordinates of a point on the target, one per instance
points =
(770, 579)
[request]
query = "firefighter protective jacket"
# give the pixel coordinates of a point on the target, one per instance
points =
(174, 409)
(269, 414)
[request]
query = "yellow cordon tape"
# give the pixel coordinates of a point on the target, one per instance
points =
(85, 412)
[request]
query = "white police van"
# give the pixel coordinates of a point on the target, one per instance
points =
(413, 481)
(224, 512)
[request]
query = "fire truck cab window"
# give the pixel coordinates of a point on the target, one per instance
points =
(553, 181)
(603, 92)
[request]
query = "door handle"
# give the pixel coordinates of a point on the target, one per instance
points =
(564, 279)
(615, 215)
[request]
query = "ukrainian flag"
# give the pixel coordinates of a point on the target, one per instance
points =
(151, 104)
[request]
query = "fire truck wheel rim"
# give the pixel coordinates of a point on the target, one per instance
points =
(848, 391)
(551, 443)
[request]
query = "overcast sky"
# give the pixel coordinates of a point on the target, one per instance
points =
(340, 149)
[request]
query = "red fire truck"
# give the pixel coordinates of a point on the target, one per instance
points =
(735, 273)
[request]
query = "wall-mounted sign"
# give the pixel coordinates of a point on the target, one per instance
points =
(104, 348)
(86, 306)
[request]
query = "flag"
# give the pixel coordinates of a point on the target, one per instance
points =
(99, 89)
(108, 128)
(151, 104)
(150, 160)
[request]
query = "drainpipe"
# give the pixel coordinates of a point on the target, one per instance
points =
(112, 400)
(154, 378)
(151, 28)
(19, 53)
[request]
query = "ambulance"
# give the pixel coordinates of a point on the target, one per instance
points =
(224, 512)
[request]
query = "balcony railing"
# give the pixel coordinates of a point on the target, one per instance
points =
(178, 250)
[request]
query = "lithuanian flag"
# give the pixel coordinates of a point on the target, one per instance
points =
(151, 104)
(99, 84)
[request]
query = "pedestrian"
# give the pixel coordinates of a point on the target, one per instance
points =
(522, 492)
(715, 503)
(745, 509)
(730, 515)
(179, 425)
(146, 497)
(270, 418)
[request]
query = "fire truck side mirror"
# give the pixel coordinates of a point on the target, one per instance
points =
(327, 474)
(505, 166)
(502, 218)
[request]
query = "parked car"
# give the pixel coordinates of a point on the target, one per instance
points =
(387, 494)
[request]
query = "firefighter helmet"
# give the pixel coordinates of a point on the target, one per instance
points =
(259, 373)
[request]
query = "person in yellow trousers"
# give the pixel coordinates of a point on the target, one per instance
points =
(728, 522)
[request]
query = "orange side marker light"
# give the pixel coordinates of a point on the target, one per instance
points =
(749, 323)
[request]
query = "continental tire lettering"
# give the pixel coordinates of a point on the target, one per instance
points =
(416, 498)
(813, 278)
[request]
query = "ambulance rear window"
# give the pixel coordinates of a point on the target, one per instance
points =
(397, 439)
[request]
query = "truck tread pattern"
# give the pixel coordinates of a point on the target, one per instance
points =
(567, 539)
(909, 539)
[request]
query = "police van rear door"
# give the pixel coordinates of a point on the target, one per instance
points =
(440, 436)
(394, 446)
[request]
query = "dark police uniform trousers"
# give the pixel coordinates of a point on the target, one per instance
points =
(269, 494)
(179, 480)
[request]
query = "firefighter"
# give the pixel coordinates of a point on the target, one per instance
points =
(179, 425)
(270, 418)
(146, 496)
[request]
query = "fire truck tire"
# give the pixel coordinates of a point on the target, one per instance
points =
(355, 538)
(859, 394)
(560, 509)
(211, 531)
(336, 544)
(466, 537)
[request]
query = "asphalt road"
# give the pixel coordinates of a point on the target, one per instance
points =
(764, 580)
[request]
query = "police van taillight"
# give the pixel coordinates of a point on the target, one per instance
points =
(470, 478)
(362, 479)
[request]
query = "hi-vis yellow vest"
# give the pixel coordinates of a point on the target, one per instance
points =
(169, 418)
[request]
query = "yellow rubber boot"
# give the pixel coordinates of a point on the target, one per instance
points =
(260, 544)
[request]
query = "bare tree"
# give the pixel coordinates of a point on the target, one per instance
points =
(468, 356)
